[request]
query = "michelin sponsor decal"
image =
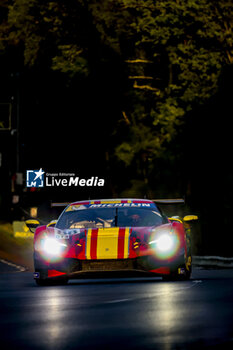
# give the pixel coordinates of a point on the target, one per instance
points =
(110, 205)
(121, 205)
(39, 178)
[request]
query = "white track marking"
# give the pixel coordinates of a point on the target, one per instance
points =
(117, 301)
(18, 267)
(156, 294)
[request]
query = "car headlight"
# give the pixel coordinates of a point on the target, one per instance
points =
(165, 245)
(52, 247)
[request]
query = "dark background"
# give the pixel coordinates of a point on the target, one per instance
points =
(62, 129)
(68, 126)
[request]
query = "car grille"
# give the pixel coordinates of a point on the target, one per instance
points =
(107, 265)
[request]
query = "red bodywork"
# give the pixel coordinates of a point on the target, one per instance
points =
(138, 247)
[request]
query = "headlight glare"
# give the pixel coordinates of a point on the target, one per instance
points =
(164, 244)
(52, 247)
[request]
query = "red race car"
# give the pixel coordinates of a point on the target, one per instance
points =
(112, 235)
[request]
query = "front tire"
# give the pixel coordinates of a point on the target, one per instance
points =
(177, 276)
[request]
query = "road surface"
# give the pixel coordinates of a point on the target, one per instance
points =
(117, 313)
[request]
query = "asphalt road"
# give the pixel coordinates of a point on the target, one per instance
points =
(120, 313)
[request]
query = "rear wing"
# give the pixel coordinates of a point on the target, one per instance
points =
(63, 204)
(169, 201)
(157, 201)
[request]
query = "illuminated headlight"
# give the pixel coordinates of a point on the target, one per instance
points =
(53, 247)
(165, 245)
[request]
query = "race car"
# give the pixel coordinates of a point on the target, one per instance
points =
(112, 235)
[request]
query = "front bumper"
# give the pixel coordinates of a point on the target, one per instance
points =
(72, 267)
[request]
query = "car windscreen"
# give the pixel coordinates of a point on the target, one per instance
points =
(110, 217)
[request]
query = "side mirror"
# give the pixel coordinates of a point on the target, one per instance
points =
(32, 224)
(175, 218)
(190, 218)
(52, 223)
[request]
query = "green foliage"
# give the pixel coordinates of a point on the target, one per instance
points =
(70, 61)
(176, 51)
(172, 52)
(52, 29)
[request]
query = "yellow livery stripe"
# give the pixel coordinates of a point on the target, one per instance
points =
(107, 245)
(126, 243)
(88, 244)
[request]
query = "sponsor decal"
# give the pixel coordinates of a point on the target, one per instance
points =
(66, 234)
(122, 205)
(39, 178)
(110, 205)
